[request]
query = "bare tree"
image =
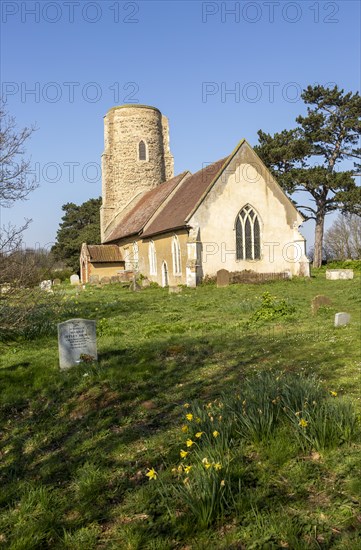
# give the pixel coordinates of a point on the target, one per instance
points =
(343, 239)
(15, 180)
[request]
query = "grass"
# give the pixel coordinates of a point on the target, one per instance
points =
(75, 446)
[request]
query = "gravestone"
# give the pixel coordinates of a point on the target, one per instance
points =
(94, 279)
(77, 342)
(342, 319)
(114, 279)
(56, 282)
(45, 285)
(134, 286)
(223, 277)
(105, 280)
(145, 283)
(319, 301)
(175, 289)
(74, 279)
(337, 274)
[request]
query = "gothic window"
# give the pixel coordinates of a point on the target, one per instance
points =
(248, 235)
(152, 259)
(142, 150)
(176, 253)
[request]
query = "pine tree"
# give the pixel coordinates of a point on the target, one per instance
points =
(307, 158)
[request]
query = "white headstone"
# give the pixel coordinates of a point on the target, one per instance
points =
(337, 274)
(77, 342)
(342, 319)
(46, 285)
(74, 279)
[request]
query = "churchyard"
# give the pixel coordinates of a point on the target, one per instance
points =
(225, 418)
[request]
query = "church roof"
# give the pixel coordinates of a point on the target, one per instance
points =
(175, 213)
(135, 220)
(100, 253)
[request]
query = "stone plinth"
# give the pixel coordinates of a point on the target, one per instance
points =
(337, 274)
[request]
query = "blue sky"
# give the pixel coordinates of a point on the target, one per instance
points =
(65, 63)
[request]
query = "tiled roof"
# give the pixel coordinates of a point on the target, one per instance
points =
(135, 220)
(176, 212)
(104, 253)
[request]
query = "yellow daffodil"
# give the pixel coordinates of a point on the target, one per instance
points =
(180, 468)
(218, 466)
(189, 443)
(215, 433)
(184, 429)
(187, 469)
(199, 434)
(183, 454)
(151, 474)
(303, 423)
(333, 393)
(198, 420)
(186, 405)
(189, 416)
(223, 483)
(186, 481)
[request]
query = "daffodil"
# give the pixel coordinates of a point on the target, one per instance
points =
(184, 429)
(151, 474)
(183, 454)
(215, 433)
(186, 405)
(206, 463)
(189, 416)
(218, 466)
(189, 443)
(199, 434)
(333, 393)
(223, 483)
(303, 423)
(187, 469)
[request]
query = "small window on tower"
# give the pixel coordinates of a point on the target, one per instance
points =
(142, 151)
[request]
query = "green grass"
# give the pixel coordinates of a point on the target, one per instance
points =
(75, 446)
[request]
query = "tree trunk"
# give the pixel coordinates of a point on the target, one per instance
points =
(320, 222)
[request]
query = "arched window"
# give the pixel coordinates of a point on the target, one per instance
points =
(142, 150)
(135, 255)
(248, 235)
(176, 253)
(152, 258)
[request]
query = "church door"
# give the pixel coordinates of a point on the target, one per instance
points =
(164, 274)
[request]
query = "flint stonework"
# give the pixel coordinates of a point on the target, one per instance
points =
(77, 342)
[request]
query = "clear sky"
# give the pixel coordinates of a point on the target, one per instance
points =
(65, 63)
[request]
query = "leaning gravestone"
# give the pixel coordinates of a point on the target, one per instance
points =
(74, 279)
(342, 319)
(337, 274)
(222, 277)
(56, 282)
(319, 301)
(77, 342)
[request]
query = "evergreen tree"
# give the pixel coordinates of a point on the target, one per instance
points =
(79, 224)
(307, 158)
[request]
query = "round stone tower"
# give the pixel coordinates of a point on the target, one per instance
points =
(136, 158)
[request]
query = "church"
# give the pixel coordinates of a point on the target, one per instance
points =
(174, 230)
